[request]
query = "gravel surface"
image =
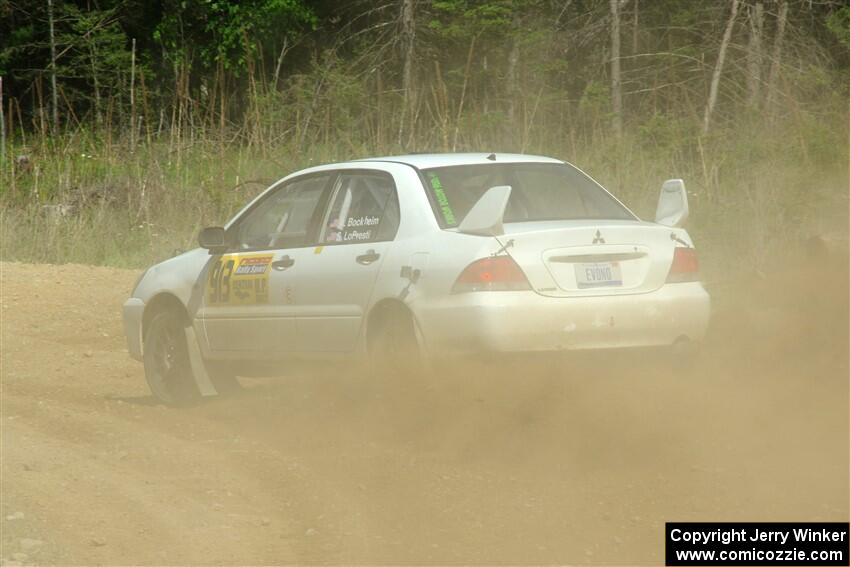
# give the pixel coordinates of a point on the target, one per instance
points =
(568, 461)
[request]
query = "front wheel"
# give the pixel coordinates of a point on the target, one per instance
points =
(168, 371)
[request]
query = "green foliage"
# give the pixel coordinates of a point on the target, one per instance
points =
(595, 99)
(838, 23)
(458, 19)
(97, 51)
(226, 31)
(19, 40)
(665, 132)
(229, 96)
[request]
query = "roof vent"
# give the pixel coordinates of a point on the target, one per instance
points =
(492, 157)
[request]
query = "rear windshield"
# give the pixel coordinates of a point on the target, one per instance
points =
(540, 192)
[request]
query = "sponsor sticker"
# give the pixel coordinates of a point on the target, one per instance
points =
(442, 200)
(238, 279)
(253, 266)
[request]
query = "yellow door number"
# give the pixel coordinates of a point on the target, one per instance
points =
(238, 279)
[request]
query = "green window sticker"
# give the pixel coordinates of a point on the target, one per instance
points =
(442, 200)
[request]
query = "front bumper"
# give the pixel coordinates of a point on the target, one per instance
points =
(134, 309)
(523, 321)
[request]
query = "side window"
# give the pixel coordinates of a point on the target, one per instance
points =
(282, 219)
(364, 208)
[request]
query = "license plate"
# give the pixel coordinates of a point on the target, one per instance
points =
(598, 274)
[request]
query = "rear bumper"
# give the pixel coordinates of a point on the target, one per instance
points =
(523, 321)
(133, 311)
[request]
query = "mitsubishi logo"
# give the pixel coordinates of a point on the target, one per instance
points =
(598, 238)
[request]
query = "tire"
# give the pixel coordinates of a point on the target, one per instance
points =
(393, 347)
(685, 353)
(682, 358)
(168, 371)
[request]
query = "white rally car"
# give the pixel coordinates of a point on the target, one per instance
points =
(396, 260)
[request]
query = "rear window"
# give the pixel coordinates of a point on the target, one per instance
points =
(540, 192)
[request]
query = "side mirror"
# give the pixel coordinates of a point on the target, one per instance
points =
(214, 239)
(672, 204)
(485, 216)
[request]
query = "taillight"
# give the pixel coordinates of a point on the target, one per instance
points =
(496, 273)
(685, 267)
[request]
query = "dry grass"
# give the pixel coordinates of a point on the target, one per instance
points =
(754, 193)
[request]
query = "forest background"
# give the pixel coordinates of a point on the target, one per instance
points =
(128, 125)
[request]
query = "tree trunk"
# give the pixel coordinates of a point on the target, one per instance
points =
(754, 54)
(718, 68)
(133, 97)
(511, 78)
(97, 108)
(463, 90)
(55, 92)
(38, 100)
(379, 116)
(635, 30)
(279, 63)
(408, 33)
(616, 90)
(2, 131)
(441, 104)
(776, 55)
(314, 102)
(145, 118)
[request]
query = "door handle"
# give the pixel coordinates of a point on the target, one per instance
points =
(283, 263)
(367, 258)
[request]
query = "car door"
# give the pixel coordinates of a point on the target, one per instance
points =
(248, 303)
(336, 280)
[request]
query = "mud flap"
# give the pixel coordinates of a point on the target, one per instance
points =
(199, 370)
(427, 358)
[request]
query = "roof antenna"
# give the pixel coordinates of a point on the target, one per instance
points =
(492, 157)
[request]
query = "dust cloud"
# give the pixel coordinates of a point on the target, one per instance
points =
(558, 459)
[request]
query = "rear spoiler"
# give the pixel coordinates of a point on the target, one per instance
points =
(486, 216)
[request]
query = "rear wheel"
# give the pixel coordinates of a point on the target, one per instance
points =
(166, 359)
(683, 356)
(393, 346)
(685, 350)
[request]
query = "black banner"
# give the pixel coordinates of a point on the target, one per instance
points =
(757, 543)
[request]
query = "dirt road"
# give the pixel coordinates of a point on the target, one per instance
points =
(570, 464)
